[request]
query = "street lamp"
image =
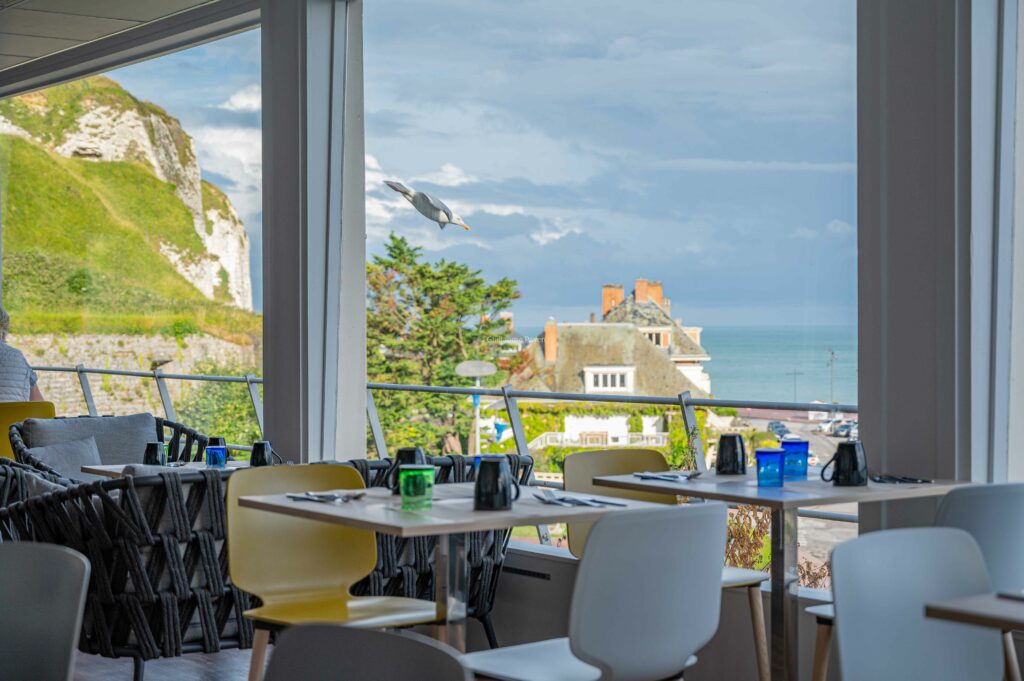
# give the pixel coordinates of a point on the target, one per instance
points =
(476, 369)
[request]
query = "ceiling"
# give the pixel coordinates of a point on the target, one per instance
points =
(30, 29)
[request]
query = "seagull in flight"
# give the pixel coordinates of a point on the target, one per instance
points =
(429, 207)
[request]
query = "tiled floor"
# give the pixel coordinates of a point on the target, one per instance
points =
(227, 665)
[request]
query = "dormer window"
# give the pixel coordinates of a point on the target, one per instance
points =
(608, 379)
(658, 335)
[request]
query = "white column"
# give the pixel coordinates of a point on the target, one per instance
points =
(313, 228)
(934, 269)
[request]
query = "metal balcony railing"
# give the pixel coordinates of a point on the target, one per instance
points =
(684, 402)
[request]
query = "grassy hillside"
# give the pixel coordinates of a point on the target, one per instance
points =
(81, 246)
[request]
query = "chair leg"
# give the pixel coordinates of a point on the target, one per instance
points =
(492, 638)
(260, 642)
(760, 634)
(1012, 668)
(138, 668)
(822, 647)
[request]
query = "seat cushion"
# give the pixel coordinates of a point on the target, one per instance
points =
(67, 458)
(369, 612)
(550, 660)
(735, 577)
(119, 439)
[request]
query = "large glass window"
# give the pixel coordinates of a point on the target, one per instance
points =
(131, 231)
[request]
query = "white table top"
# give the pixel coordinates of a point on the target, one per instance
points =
(985, 610)
(743, 489)
(452, 511)
(115, 470)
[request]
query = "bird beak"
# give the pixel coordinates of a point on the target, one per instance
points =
(463, 225)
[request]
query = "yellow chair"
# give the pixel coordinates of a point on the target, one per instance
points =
(580, 470)
(16, 412)
(302, 570)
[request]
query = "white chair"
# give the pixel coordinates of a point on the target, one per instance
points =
(332, 652)
(881, 582)
(994, 516)
(647, 597)
(42, 596)
(580, 470)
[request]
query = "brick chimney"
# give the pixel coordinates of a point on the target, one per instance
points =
(611, 295)
(640, 290)
(509, 320)
(666, 305)
(646, 290)
(592, 318)
(550, 340)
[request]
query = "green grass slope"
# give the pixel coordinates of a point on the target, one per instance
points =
(81, 250)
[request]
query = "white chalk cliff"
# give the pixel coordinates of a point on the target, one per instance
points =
(124, 129)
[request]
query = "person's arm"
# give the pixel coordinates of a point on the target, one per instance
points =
(34, 394)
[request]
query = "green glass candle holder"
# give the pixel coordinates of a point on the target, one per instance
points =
(416, 485)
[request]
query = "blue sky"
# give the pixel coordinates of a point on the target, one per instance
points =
(710, 145)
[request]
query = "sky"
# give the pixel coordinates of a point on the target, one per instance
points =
(709, 145)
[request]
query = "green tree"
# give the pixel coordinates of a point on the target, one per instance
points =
(422, 319)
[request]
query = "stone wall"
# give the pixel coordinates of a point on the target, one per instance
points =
(123, 394)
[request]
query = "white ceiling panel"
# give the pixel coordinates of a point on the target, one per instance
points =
(52, 25)
(128, 10)
(10, 60)
(32, 46)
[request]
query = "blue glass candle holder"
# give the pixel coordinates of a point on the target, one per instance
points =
(216, 457)
(770, 467)
(796, 453)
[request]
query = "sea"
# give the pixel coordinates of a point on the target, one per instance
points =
(800, 363)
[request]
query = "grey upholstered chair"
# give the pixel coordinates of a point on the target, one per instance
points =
(42, 596)
(647, 597)
(881, 629)
(330, 652)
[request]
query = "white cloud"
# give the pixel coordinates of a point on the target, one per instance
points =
(550, 233)
(465, 208)
(234, 153)
(804, 233)
(448, 175)
(247, 99)
(840, 228)
(724, 165)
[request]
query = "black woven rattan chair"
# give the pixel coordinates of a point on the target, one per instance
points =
(159, 584)
(186, 444)
(15, 481)
(405, 567)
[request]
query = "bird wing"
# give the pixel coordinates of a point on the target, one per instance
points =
(440, 204)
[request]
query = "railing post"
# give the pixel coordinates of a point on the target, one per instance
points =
(518, 434)
(690, 423)
(165, 396)
(83, 380)
(522, 446)
(375, 430)
(257, 401)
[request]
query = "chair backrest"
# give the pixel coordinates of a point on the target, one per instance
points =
(270, 553)
(994, 516)
(42, 597)
(881, 583)
(582, 467)
(16, 412)
(328, 652)
(648, 590)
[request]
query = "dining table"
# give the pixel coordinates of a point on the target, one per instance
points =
(116, 470)
(783, 504)
(450, 517)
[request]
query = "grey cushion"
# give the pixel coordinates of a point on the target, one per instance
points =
(142, 470)
(36, 485)
(67, 458)
(120, 439)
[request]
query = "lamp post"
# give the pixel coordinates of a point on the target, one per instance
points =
(476, 369)
(794, 374)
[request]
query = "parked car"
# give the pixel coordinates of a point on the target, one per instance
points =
(772, 425)
(828, 426)
(843, 430)
(855, 432)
